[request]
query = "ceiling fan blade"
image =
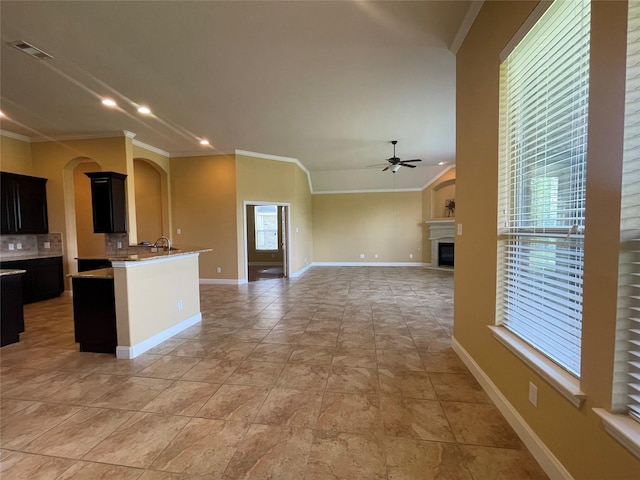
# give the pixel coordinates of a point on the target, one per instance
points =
(414, 160)
(377, 165)
(385, 169)
(409, 166)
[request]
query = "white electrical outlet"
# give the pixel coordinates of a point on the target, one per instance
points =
(18, 246)
(12, 246)
(118, 244)
(533, 394)
(297, 230)
(459, 229)
(219, 269)
(362, 255)
(179, 231)
(179, 304)
(411, 255)
(47, 244)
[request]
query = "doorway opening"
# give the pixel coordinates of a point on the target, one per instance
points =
(266, 241)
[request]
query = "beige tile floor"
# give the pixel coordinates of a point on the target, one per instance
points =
(343, 373)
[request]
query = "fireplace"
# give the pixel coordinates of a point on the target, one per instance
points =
(445, 254)
(442, 236)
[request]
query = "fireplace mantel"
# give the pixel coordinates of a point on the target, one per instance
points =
(440, 231)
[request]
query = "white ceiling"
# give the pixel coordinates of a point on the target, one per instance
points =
(329, 83)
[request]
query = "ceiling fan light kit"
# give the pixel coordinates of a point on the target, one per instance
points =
(395, 163)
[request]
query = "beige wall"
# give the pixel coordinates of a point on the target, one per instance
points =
(261, 180)
(433, 198)
(387, 224)
(89, 243)
(147, 297)
(148, 201)
(56, 162)
(162, 165)
(15, 156)
(301, 222)
(204, 209)
(574, 436)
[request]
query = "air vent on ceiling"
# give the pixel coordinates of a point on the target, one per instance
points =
(31, 50)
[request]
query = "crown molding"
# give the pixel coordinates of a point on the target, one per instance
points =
(386, 190)
(278, 158)
(89, 136)
(199, 153)
(150, 148)
(15, 136)
(437, 177)
(465, 26)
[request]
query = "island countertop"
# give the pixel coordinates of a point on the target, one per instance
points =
(10, 271)
(99, 273)
(149, 255)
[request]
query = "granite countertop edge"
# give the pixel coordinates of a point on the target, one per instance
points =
(10, 271)
(104, 273)
(139, 257)
(32, 256)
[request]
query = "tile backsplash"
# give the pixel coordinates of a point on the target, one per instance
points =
(30, 245)
(111, 242)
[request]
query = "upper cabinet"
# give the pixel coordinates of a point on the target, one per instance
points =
(109, 202)
(24, 204)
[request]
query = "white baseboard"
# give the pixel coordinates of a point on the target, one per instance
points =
(440, 269)
(547, 460)
(222, 281)
(135, 350)
(367, 264)
(300, 272)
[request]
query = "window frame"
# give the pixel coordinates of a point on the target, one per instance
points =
(517, 233)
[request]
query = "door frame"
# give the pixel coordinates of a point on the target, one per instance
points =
(286, 234)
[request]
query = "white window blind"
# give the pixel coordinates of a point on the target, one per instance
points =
(629, 279)
(543, 136)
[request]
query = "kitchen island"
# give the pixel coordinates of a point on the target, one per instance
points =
(156, 295)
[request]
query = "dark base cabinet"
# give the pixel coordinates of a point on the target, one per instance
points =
(94, 314)
(44, 278)
(86, 264)
(12, 317)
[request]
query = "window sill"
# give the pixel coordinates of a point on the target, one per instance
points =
(623, 428)
(565, 383)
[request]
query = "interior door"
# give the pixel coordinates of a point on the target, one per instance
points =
(283, 228)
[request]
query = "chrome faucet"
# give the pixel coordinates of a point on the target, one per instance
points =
(166, 241)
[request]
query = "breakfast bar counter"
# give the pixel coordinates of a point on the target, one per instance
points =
(155, 295)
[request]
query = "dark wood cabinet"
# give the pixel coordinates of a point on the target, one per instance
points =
(86, 264)
(11, 311)
(24, 204)
(44, 277)
(108, 199)
(94, 314)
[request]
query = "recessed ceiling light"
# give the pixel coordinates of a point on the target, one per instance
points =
(144, 110)
(1, 114)
(441, 163)
(204, 142)
(107, 102)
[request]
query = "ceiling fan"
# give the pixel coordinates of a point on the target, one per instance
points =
(394, 163)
